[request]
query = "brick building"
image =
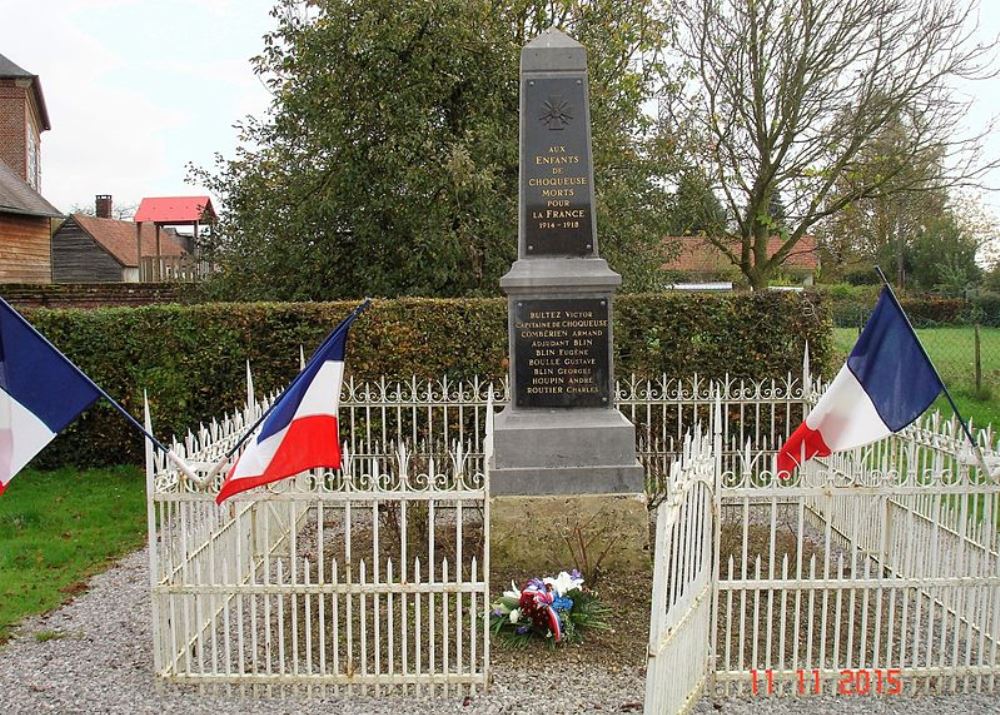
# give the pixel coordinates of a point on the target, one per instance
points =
(23, 118)
(25, 216)
(698, 261)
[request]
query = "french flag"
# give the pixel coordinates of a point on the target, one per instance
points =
(41, 392)
(887, 382)
(300, 432)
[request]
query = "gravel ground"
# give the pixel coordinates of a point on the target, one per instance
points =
(101, 663)
(932, 705)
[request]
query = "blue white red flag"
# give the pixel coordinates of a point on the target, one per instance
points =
(300, 433)
(41, 392)
(885, 385)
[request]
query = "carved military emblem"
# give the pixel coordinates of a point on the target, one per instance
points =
(556, 113)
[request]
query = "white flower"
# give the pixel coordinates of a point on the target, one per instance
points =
(514, 592)
(563, 583)
(515, 615)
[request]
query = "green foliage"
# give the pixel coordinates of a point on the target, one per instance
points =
(943, 257)
(848, 291)
(191, 359)
(850, 307)
(388, 162)
(47, 634)
(743, 335)
(57, 528)
(926, 240)
(694, 207)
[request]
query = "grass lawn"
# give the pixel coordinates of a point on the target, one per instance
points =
(57, 528)
(953, 351)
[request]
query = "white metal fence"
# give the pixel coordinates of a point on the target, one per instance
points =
(756, 418)
(873, 572)
(679, 653)
(370, 578)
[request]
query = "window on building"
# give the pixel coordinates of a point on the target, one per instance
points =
(33, 168)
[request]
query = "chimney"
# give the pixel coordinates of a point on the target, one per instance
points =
(102, 206)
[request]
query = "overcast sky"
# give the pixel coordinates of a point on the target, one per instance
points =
(136, 89)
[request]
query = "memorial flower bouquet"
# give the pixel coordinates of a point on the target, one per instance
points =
(557, 609)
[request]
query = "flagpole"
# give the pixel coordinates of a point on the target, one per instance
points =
(344, 324)
(944, 388)
(114, 403)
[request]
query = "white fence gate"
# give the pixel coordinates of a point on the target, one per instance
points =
(875, 572)
(679, 655)
(370, 578)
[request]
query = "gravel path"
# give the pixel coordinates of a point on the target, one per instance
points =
(101, 663)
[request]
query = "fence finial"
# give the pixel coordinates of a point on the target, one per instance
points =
(717, 413)
(806, 373)
(147, 422)
(250, 397)
(302, 358)
(488, 437)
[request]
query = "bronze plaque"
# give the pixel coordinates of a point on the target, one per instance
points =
(557, 197)
(562, 352)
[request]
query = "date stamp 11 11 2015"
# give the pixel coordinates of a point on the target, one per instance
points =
(850, 681)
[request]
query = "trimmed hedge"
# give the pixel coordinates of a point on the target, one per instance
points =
(850, 306)
(924, 312)
(191, 359)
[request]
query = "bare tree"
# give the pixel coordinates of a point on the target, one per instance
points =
(124, 212)
(789, 95)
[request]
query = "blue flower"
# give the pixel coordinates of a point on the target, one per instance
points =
(561, 603)
(521, 630)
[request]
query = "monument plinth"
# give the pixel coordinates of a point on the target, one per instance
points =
(561, 438)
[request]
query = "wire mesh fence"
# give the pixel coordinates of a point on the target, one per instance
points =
(966, 356)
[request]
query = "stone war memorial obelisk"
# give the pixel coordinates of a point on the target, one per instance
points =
(564, 463)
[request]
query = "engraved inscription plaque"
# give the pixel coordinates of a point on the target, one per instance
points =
(562, 352)
(555, 168)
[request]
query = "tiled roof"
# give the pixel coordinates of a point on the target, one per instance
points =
(175, 209)
(696, 255)
(17, 197)
(118, 238)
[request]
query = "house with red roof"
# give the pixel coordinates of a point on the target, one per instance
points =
(100, 249)
(696, 260)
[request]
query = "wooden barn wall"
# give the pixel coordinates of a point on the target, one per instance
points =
(24, 249)
(76, 258)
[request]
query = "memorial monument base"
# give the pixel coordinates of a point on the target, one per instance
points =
(559, 451)
(536, 535)
(566, 485)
